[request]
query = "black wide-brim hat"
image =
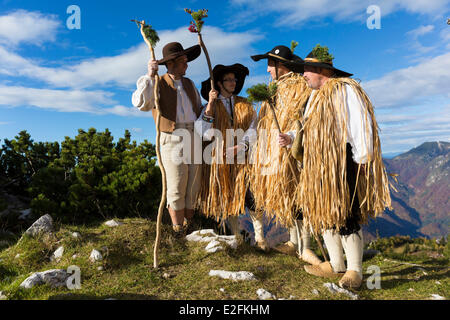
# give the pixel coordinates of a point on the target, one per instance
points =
(284, 55)
(311, 61)
(174, 50)
(239, 71)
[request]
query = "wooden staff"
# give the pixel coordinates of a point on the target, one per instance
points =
(158, 152)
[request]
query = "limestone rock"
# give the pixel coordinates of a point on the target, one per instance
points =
(264, 295)
(236, 276)
(215, 242)
(95, 256)
(76, 235)
(57, 255)
(113, 223)
(214, 246)
(43, 225)
(333, 288)
(437, 297)
(54, 278)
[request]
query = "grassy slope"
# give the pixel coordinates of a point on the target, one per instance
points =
(127, 269)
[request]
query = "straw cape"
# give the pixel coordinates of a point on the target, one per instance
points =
(324, 191)
(223, 194)
(272, 182)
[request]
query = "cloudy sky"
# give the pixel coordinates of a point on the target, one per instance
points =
(55, 80)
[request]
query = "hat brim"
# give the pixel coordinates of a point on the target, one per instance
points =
(191, 53)
(295, 65)
(240, 72)
(337, 72)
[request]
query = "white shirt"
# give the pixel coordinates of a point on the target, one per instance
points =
(361, 142)
(202, 127)
(144, 100)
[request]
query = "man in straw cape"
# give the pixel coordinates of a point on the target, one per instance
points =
(180, 105)
(224, 192)
(343, 180)
(275, 177)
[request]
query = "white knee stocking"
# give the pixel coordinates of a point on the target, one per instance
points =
(258, 226)
(334, 246)
(353, 245)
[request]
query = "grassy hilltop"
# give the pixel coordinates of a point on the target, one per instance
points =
(410, 269)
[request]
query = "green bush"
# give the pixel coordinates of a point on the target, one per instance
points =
(95, 178)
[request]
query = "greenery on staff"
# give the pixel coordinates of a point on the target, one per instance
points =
(322, 54)
(88, 178)
(262, 92)
(197, 25)
(149, 32)
(151, 35)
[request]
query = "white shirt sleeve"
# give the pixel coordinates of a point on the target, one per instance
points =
(201, 127)
(358, 120)
(143, 96)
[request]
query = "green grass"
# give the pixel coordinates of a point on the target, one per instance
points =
(128, 273)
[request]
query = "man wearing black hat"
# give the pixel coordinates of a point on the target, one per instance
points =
(274, 185)
(343, 181)
(224, 193)
(180, 106)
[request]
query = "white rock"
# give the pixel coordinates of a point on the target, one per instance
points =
(17, 256)
(54, 278)
(100, 268)
(315, 292)
(214, 246)
(240, 275)
(95, 256)
(214, 240)
(2, 296)
(410, 289)
(437, 297)
(222, 290)
(264, 295)
(57, 255)
(333, 288)
(437, 282)
(113, 223)
(74, 256)
(43, 225)
(76, 235)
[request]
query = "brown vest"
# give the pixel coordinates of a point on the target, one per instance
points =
(168, 102)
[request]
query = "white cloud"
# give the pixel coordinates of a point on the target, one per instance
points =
(409, 85)
(57, 100)
(292, 12)
(126, 112)
(123, 70)
(420, 31)
(27, 27)
(405, 128)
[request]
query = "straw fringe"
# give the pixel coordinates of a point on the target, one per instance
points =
(324, 192)
(272, 182)
(223, 189)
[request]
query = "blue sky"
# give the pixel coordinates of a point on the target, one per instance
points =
(54, 81)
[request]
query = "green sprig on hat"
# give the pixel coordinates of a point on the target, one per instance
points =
(294, 45)
(322, 54)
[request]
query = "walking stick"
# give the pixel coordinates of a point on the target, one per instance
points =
(151, 38)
